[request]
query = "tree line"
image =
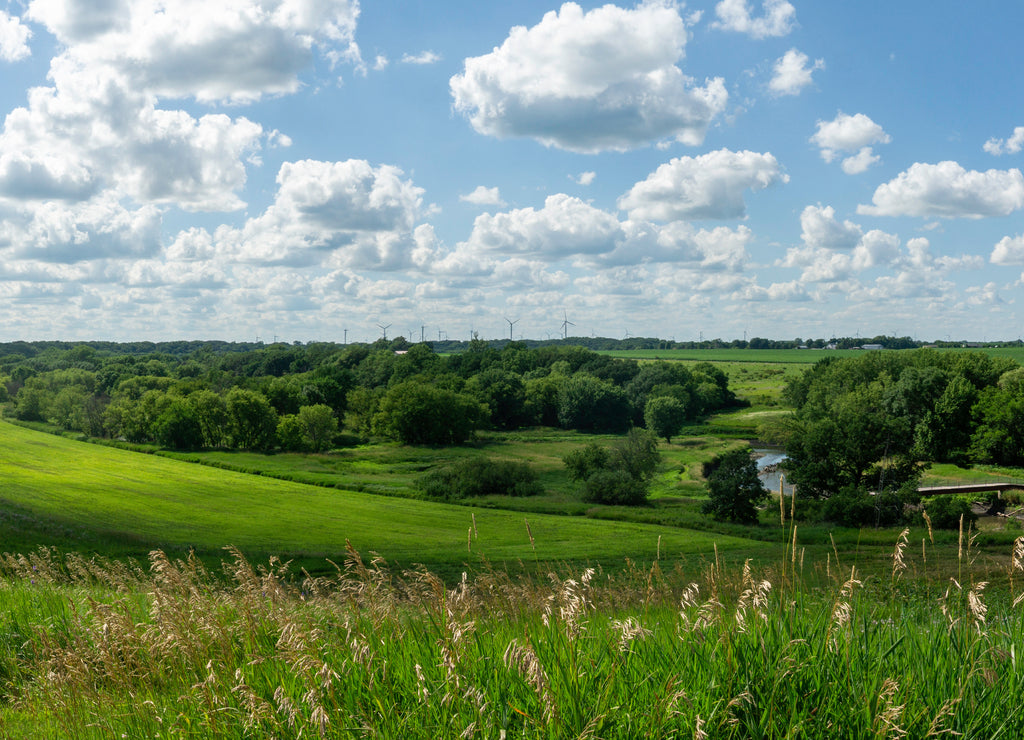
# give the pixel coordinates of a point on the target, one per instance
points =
(300, 397)
(865, 427)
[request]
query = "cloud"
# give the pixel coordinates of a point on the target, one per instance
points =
(948, 190)
(836, 251)
(346, 213)
(100, 228)
(1011, 145)
(861, 161)
(88, 134)
(14, 38)
(1008, 251)
(791, 73)
(584, 178)
(380, 63)
(735, 15)
(237, 51)
(820, 229)
(847, 133)
(588, 82)
(483, 197)
(708, 186)
(424, 57)
(564, 226)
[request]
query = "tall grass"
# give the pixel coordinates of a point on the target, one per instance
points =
(92, 648)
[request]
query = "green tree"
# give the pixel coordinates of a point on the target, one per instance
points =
(291, 434)
(211, 412)
(319, 425)
(177, 426)
(418, 413)
(589, 404)
(665, 416)
(734, 490)
(251, 419)
(504, 395)
(999, 435)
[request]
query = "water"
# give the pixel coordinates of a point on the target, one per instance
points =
(767, 471)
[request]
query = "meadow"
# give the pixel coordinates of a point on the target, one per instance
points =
(96, 498)
(92, 648)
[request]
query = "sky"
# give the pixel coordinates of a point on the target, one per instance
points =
(317, 170)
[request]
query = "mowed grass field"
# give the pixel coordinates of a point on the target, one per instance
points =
(76, 495)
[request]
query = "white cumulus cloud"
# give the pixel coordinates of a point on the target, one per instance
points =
(1011, 145)
(483, 196)
(793, 72)
(708, 186)
(237, 50)
(1008, 251)
(850, 134)
(778, 18)
(564, 226)
(948, 190)
(348, 213)
(820, 228)
(14, 36)
(590, 81)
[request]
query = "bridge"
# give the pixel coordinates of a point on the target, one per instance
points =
(998, 506)
(970, 488)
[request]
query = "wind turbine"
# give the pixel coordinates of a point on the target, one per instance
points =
(385, 330)
(510, 325)
(566, 324)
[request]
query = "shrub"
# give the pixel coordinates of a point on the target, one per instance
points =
(854, 507)
(635, 458)
(480, 476)
(582, 463)
(615, 488)
(945, 512)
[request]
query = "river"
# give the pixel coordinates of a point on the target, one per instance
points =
(768, 460)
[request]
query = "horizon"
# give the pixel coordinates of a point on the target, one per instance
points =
(720, 168)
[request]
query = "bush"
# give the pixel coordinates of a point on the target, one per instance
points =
(480, 476)
(851, 507)
(584, 462)
(615, 488)
(633, 458)
(945, 512)
(854, 507)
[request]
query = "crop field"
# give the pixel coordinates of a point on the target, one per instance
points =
(60, 491)
(783, 356)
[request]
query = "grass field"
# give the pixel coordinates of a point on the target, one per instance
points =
(92, 650)
(77, 495)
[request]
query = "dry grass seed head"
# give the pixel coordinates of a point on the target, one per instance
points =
(899, 564)
(888, 714)
(524, 660)
(1017, 559)
(629, 629)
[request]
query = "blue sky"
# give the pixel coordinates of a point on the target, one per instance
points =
(299, 168)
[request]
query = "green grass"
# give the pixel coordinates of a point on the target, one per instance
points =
(91, 651)
(785, 356)
(115, 501)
